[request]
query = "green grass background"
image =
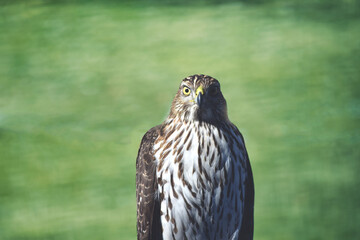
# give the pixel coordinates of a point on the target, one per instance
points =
(81, 82)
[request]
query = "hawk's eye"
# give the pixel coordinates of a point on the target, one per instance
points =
(186, 91)
(214, 90)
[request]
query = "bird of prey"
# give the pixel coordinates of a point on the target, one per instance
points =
(193, 175)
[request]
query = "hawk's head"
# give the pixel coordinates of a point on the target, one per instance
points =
(199, 99)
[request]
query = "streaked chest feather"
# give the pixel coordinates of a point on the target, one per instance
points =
(201, 174)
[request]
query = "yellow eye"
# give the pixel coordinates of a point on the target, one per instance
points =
(186, 91)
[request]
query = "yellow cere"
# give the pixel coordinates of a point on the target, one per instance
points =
(199, 89)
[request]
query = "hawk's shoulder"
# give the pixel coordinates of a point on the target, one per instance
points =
(148, 209)
(149, 138)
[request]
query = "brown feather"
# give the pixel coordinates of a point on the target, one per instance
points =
(148, 207)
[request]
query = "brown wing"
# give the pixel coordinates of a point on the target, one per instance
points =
(247, 227)
(148, 207)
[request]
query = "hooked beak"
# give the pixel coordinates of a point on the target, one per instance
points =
(199, 95)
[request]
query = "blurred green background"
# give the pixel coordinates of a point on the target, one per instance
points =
(82, 81)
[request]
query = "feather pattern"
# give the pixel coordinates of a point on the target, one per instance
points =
(209, 178)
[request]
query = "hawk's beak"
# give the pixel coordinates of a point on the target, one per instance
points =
(199, 95)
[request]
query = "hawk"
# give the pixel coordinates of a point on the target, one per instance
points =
(193, 175)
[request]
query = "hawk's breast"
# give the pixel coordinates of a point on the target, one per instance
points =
(201, 173)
